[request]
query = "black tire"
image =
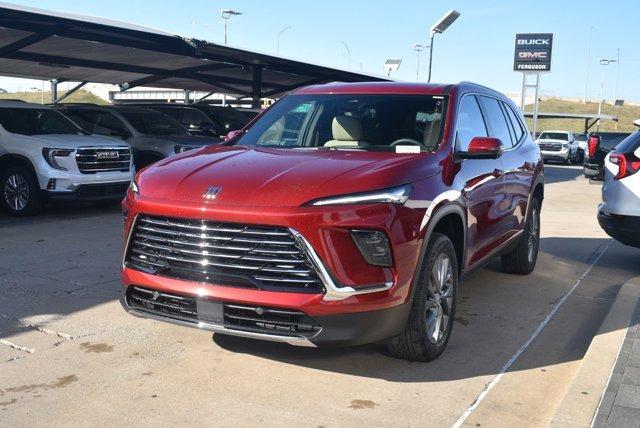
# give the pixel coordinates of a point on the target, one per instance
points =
(523, 259)
(109, 203)
(421, 340)
(20, 193)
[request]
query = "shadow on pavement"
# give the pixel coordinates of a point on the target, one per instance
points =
(559, 173)
(68, 260)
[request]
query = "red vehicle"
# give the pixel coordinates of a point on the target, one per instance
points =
(346, 214)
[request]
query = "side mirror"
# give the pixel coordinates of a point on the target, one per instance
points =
(483, 148)
(232, 134)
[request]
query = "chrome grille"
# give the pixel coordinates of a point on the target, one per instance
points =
(103, 159)
(550, 147)
(269, 320)
(241, 255)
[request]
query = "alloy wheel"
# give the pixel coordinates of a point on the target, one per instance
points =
(16, 192)
(439, 299)
(533, 235)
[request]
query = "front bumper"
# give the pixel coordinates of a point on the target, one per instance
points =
(334, 330)
(90, 192)
(622, 228)
(557, 156)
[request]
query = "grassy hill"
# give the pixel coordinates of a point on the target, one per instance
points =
(626, 114)
(80, 96)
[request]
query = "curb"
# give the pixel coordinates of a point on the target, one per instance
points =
(583, 396)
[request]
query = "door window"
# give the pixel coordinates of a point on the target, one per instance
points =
(470, 123)
(515, 123)
(498, 127)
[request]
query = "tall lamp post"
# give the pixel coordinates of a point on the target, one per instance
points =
(418, 48)
(603, 62)
(226, 15)
(288, 27)
(586, 72)
(439, 28)
(346, 46)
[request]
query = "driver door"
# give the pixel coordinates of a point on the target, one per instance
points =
(483, 189)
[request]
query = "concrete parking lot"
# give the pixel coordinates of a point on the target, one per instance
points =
(70, 354)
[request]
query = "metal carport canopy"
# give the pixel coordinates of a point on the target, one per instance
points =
(589, 119)
(48, 45)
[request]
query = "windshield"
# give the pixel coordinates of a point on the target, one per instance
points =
(364, 122)
(554, 136)
(151, 122)
(36, 121)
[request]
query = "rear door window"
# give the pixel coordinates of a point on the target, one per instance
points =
(515, 123)
(470, 123)
(496, 121)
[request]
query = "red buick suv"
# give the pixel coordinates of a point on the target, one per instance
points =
(345, 214)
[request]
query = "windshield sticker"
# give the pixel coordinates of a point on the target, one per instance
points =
(407, 149)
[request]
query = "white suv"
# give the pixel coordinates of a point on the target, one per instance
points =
(44, 156)
(619, 213)
(558, 146)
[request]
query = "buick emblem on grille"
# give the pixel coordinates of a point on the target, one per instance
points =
(107, 155)
(211, 192)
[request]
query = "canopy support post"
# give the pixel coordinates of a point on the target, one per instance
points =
(256, 93)
(56, 100)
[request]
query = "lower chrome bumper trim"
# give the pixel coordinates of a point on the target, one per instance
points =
(296, 341)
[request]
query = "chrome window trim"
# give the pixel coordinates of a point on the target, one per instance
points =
(332, 291)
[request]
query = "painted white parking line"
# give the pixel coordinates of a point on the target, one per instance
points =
(488, 387)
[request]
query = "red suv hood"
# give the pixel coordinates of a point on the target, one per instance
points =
(279, 177)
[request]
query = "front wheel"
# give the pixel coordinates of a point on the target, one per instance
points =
(433, 309)
(19, 192)
(523, 259)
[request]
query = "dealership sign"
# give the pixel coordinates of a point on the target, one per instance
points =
(533, 52)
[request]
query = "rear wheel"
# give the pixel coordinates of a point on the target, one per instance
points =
(430, 321)
(19, 192)
(523, 259)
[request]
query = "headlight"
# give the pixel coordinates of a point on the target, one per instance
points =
(133, 186)
(50, 156)
(182, 149)
(396, 195)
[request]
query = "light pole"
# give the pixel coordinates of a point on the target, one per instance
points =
(438, 28)
(418, 48)
(615, 90)
(226, 15)
(288, 27)
(346, 46)
(603, 62)
(586, 72)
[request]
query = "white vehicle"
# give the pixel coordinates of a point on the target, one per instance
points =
(619, 213)
(44, 156)
(558, 146)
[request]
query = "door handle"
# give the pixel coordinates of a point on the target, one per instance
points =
(497, 173)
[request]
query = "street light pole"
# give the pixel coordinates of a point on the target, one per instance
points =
(439, 28)
(603, 62)
(615, 90)
(586, 72)
(280, 34)
(348, 55)
(418, 48)
(430, 57)
(226, 15)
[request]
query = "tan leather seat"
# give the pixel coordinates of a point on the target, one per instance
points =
(346, 132)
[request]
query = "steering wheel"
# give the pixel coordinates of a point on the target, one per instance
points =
(409, 141)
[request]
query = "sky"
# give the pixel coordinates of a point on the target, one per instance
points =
(477, 47)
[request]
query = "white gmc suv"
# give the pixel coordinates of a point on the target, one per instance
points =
(46, 157)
